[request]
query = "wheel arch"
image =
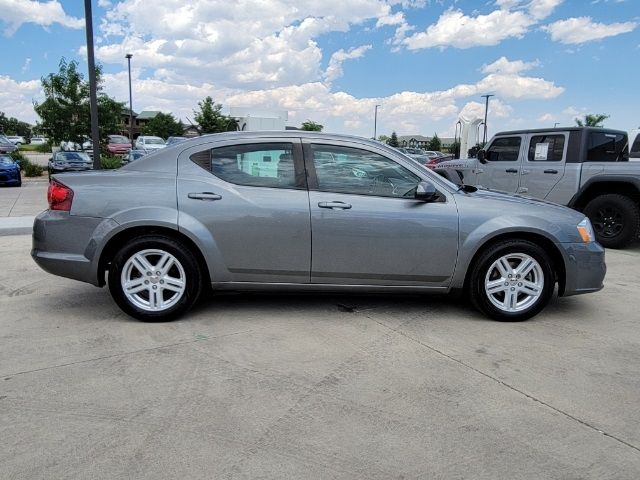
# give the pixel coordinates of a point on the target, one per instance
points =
(604, 185)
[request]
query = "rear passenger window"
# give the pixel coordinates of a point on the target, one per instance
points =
(257, 165)
(607, 147)
(546, 148)
(635, 148)
(505, 149)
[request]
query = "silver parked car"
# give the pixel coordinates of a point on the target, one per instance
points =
(306, 211)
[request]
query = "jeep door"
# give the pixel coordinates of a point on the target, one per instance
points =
(544, 163)
(367, 227)
(503, 161)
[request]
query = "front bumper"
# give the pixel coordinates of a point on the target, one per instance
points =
(585, 268)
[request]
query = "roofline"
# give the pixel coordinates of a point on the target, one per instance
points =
(559, 129)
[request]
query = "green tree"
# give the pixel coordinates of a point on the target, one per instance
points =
(592, 120)
(13, 126)
(434, 144)
(65, 112)
(393, 141)
(210, 117)
(311, 126)
(163, 125)
(383, 138)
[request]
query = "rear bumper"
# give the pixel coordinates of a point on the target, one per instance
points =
(585, 268)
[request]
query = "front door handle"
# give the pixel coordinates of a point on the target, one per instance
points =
(511, 170)
(340, 205)
(205, 196)
(551, 171)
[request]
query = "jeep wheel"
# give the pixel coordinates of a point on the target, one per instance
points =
(615, 219)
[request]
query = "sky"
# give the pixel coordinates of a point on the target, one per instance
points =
(425, 62)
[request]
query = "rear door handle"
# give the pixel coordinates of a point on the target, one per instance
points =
(340, 205)
(205, 196)
(511, 170)
(551, 171)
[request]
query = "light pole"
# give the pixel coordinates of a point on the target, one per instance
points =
(375, 123)
(128, 57)
(556, 124)
(486, 109)
(95, 132)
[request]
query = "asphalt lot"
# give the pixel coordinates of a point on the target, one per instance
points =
(250, 386)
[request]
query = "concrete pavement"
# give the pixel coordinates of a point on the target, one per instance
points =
(342, 387)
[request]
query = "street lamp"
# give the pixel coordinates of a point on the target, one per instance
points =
(95, 132)
(128, 57)
(486, 109)
(375, 123)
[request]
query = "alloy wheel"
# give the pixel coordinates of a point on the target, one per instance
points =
(514, 282)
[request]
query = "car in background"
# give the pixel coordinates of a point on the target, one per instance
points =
(118, 144)
(17, 140)
(329, 212)
(39, 140)
(9, 171)
(174, 140)
(149, 143)
(634, 145)
(69, 162)
(6, 145)
(132, 156)
(69, 146)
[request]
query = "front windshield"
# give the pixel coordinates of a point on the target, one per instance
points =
(154, 141)
(73, 156)
(6, 161)
(118, 139)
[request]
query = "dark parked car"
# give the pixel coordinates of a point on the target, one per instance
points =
(69, 162)
(9, 171)
(306, 211)
(6, 145)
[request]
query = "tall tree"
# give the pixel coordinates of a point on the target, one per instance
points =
(311, 126)
(163, 125)
(592, 120)
(393, 141)
(13, 126)
(64, 113)
(434, 144)
(210, 118)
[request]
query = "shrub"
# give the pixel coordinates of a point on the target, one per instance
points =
(110, 163)
(32, 170)
(19, 157)
(43, 148)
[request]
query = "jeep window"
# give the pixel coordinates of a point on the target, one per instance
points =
(504, 149)
(607, 147)
(635, 148)
(547, 148)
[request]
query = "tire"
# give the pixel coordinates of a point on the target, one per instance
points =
(531, 292)
(615, 219)
(19, 184)
(178, 286)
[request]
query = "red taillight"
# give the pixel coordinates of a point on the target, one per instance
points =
(431, 163)
(59, 196)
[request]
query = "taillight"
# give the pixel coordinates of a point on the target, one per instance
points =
(431, 163)
(59, 196)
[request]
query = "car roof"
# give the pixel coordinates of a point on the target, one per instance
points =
(558, 129)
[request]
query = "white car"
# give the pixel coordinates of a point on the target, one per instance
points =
(148, 143)
(38, 140)
(16, 140)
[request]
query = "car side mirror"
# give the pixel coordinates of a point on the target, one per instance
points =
(482, 156)
(426, 191)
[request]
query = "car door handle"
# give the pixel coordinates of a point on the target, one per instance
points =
(340, 205)
(551, 171)
(205, 196)
(525, 172)
(511, 170)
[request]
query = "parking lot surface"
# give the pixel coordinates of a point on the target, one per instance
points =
(344, 387)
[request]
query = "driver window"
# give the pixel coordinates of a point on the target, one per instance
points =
(504, 149)
(361, 172)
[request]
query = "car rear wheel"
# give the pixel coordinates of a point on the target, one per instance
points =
(155, 278)
(512, 281)
(615, 219)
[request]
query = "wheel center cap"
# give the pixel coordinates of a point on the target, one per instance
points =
(154, 279)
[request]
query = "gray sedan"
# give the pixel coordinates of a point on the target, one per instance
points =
(308, 212)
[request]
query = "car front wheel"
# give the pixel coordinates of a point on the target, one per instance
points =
(155, 278)
(512, 281)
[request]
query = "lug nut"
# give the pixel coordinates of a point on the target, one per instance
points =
(155, 287)
(157, 273)
(519, 284)
(146, 282)
(512, 288)
(161, 282)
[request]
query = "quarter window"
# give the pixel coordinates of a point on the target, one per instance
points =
(607, 147)
(549, 148)
(505, 149)
(257, 165)
(361, 172)
(635, 148)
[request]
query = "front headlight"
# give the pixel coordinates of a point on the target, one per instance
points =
(586, 231)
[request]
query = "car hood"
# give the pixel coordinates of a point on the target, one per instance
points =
(8, 167)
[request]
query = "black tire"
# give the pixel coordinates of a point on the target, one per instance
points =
(615, 219)
(188, 261)
(480, 268)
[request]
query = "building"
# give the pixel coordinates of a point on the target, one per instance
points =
(420, 141)
(140, 120)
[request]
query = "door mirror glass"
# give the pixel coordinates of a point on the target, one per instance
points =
(481, 156)
(426, 191)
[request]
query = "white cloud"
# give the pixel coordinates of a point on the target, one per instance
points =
(503, 65)
(17, 12)
(334, 69)
(583, 29)
(454, 28)
(26, 65)
(16, 98)
(546, 118)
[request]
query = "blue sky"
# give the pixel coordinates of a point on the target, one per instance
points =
(425, 62)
